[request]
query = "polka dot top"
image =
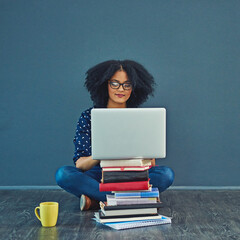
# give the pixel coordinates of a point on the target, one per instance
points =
(82, 139)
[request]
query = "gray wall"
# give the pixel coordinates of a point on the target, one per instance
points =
(191, 48)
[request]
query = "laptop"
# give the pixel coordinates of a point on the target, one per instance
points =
(127, 133)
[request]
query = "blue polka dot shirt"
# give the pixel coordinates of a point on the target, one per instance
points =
(82, 139)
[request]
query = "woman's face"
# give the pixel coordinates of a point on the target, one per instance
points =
(118, 97)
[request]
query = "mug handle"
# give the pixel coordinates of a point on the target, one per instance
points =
(36, 213)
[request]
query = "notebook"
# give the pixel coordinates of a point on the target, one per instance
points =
(135, 224)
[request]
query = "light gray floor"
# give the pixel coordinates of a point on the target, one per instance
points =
(200, 214)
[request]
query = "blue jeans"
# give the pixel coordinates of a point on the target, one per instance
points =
(77, 182)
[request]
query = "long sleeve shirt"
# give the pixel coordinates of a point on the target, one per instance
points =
(82, 139)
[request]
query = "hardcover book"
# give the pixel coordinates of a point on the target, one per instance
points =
(124, 186)
(128, 162)
(124, 176)
(126, 168)
(111, 200)
(105, 206)
(139, 194)
(127, 212)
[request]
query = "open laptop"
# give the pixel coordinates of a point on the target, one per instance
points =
(127, 133)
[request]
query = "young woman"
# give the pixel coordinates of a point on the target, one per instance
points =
(112, 84)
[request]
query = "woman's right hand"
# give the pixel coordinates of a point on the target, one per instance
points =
(86, 163)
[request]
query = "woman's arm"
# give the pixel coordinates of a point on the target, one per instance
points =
(86, 163)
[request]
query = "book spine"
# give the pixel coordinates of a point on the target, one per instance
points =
(129, 176)
(121, 163)
(137, 194)
(134, 206)
(102, 216)
(122, 201)
(130, 195)
(126, 168)
(149, 194)
(124, 186)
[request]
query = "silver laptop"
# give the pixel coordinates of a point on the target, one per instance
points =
(127, 133)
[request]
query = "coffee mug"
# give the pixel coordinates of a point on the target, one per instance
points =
(48, 213)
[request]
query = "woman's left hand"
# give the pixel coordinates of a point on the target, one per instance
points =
(153, 160)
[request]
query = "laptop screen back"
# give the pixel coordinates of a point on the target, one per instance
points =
(128, 133)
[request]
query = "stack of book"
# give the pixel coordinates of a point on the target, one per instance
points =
(133, 202)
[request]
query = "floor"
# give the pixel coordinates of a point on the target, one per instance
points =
(197, 214)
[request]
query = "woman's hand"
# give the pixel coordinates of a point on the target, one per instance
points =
(86, 163)
(153, 162)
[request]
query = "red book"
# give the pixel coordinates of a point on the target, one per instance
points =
(124, 186)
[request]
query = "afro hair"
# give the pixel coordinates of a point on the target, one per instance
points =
(97, 81)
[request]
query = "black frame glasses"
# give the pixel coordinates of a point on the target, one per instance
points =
(117, 85)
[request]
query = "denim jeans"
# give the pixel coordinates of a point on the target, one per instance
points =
(77, 182)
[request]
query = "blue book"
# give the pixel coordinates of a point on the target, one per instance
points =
(140, 194)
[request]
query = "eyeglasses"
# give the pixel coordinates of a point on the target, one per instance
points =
(116, 85)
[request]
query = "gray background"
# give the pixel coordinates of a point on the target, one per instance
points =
(191, 48)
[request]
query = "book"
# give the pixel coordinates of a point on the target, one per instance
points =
(126, 212)
(125, 162)
(124, 186)
(136, 224)
(102, 216)
(112, 201)
(124, 176)
(126, 168)
(140, 194)
(105, 206)
(125, 219)
(149, 189)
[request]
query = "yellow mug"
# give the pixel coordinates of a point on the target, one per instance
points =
(48, 213)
